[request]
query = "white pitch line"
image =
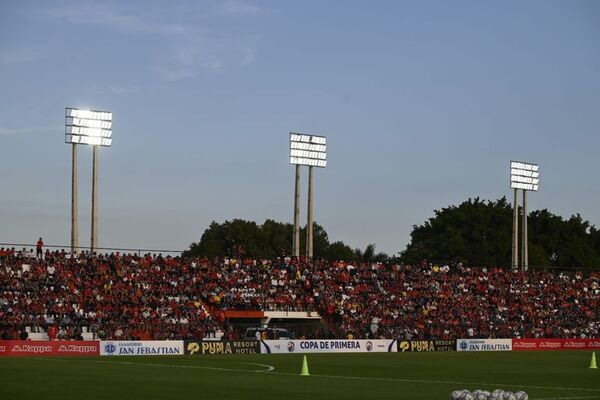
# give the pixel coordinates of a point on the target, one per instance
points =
(270, 371)
(568, 398)
(269, 368)
(438, 382)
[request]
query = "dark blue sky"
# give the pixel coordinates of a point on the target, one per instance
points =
(423, 104)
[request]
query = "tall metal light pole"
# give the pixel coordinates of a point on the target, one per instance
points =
(524, 244)
(526, 177)
(296, 245)
(309, 215)
(309, 150)
(515, 232)
(94, 226)
(74, 210)
(93, 128)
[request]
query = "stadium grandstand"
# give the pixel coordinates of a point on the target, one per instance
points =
(154, 297)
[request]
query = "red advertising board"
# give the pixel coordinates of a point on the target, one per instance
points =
(49, 348)
(555, 344)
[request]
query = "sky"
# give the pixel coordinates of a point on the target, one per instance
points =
(423, 104)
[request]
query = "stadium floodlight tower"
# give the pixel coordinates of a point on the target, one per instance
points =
(309, 150)
(93, 128)
(526, 177)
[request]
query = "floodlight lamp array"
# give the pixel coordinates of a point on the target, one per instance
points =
(524, 176)
(300, 137)
(88, 114)
(88, 127)
(89, 123)
(307, 146)
(91, 140)
(308, 161)
(308, 154)
(308, 150)
(83, 131)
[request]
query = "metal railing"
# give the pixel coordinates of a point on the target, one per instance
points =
(570, 269)
(19, 246)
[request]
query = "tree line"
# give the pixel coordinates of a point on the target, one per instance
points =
(476, 232)
(272, 239)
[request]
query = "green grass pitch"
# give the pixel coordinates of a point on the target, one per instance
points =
(431, 376)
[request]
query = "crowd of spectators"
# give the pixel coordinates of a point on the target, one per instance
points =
(125, 296)
(115, 296)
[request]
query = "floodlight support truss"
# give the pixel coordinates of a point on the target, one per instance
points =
(296, 244)
(74, 200)
(309, 222)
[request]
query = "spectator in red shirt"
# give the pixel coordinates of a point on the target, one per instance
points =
(39, 247)
(52, 332)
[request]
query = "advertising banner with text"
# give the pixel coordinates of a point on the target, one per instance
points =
(483, 344)
(427, 345)
(141, 348)
(328, 346)
(222, 347)
(555, 344)
(49, 348)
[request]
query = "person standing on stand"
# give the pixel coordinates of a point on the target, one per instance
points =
(52, 332)
(39, 247)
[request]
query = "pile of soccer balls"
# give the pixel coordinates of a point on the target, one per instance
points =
(497, 394)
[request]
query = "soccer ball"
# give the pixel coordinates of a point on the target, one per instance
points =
(508, 396)
(461, 395)
(480, 394)
(496, 395)
(521, 395)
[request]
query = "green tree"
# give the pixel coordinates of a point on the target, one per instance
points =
(369, 255)
(269, 240)
(479, 233)
(340, 251)
(473, 232)
(276, 237)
